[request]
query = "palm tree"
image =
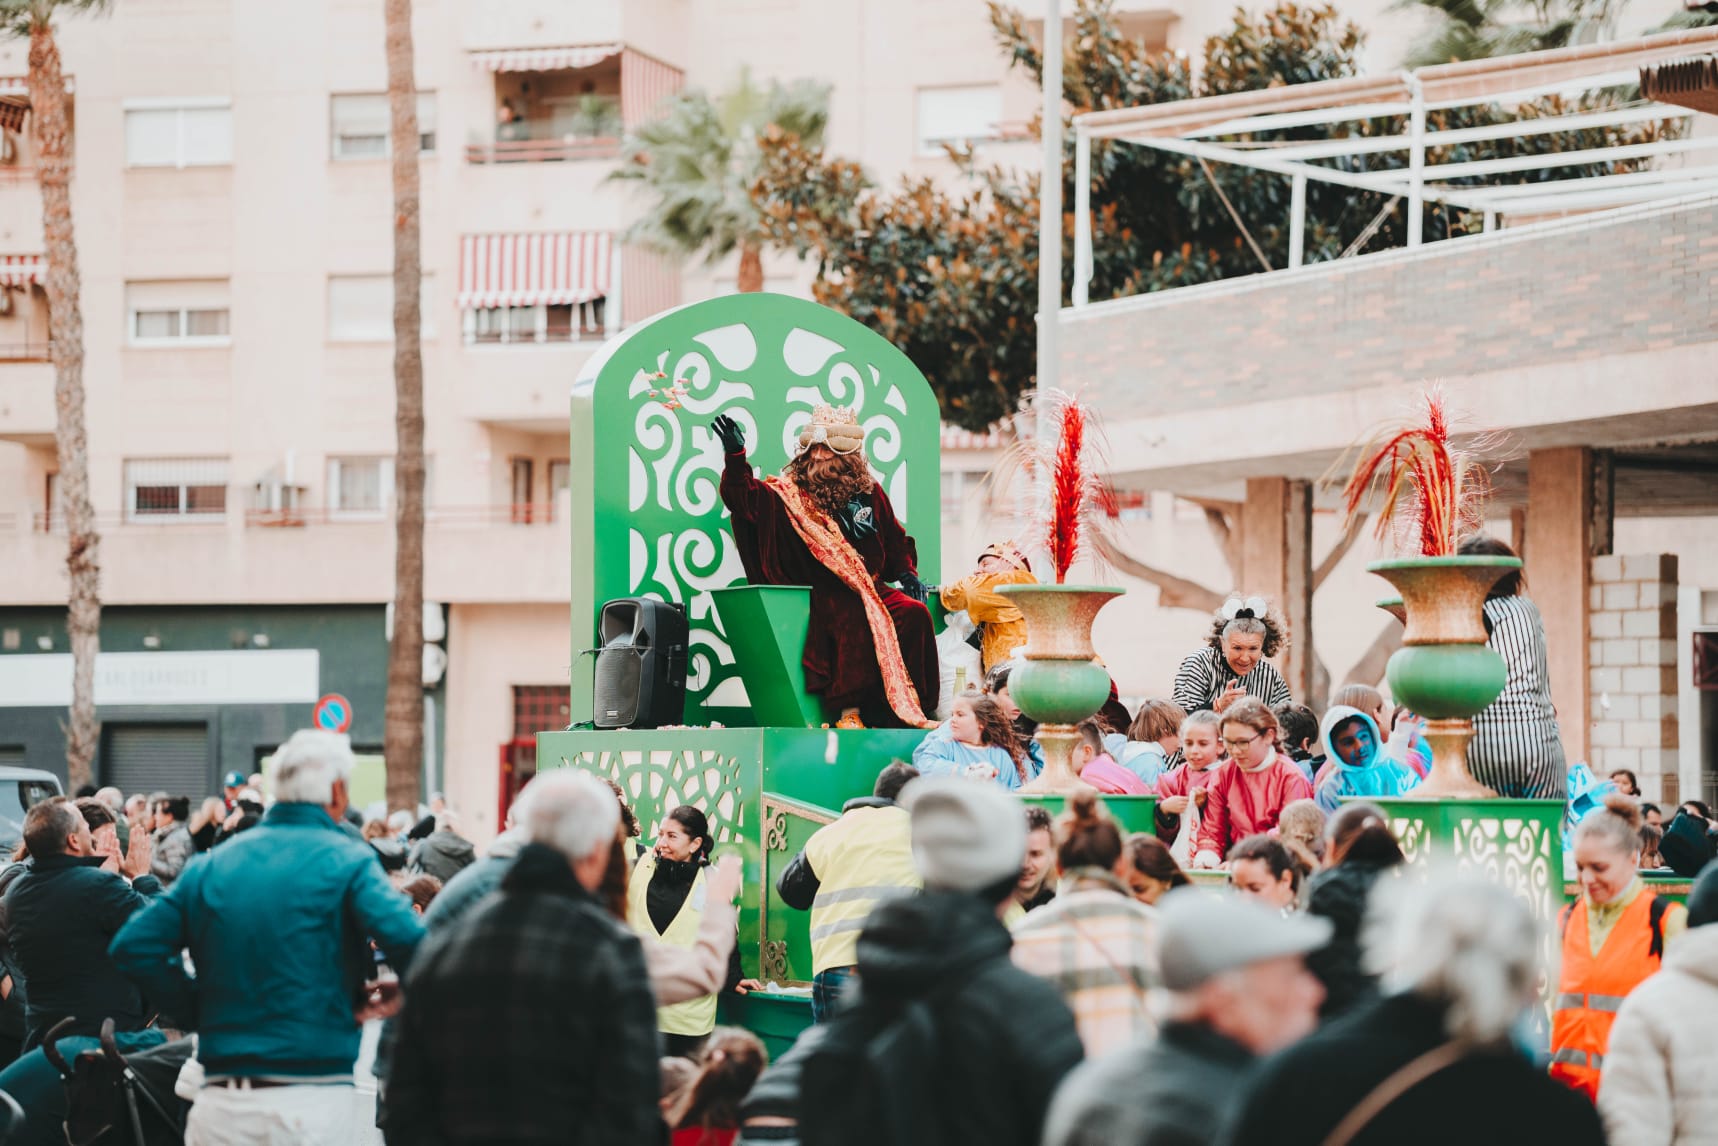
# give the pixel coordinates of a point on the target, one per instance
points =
(699, 161)
(1483, 29)
(34, 19)
(403, 712)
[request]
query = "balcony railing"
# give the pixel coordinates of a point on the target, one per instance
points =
(542, 150)
(519, 513)
(25, 351)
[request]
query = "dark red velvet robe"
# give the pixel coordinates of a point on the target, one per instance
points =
(840, 657)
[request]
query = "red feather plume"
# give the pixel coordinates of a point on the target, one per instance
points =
(1429, 491)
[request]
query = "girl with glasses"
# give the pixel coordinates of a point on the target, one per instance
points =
(1248, 795)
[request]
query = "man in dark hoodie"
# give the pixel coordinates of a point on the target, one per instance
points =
(946, 1039)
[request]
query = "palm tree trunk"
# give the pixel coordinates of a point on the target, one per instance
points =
(751, 276)
(66, 335)
(403, 715)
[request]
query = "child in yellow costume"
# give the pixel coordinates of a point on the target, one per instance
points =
(1000, 624)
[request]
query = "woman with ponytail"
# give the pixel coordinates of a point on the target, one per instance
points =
(707, 1111)
(1094, 942)
(1359, 847)
(1613, 937)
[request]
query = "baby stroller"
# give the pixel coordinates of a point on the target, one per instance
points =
(115, 1099)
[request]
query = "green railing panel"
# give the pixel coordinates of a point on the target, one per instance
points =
(1134, 813)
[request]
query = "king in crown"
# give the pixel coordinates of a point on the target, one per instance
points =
(826, 523)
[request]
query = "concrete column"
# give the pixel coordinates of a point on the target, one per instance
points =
(1276, 562)
(1560, 535)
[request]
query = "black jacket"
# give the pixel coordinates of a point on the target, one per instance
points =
(530, 1020)
(1492, 1098)
(999, 1042)
(1339, 894)
(61, 914)
(1173, 1090)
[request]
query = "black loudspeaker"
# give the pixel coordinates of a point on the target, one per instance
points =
(641, 664)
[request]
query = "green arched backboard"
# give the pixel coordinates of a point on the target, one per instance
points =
(647, 519)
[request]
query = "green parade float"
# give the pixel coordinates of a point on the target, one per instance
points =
(755, 752)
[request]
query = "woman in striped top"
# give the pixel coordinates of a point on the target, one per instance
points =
(1516, 747)
(1233, 664)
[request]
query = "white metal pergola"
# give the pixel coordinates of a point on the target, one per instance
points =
(1223, 129)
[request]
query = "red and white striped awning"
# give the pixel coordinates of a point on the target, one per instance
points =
(22, 270)
(543, 59)
(531, 270)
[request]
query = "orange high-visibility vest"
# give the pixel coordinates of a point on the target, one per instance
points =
(1592, 987)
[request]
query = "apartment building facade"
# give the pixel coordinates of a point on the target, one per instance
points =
(233, 212)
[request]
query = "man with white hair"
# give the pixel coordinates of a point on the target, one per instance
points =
(277, 922)
(533, 1015)
(1237, 988)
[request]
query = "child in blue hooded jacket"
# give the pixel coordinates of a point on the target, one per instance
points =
(1357, 763)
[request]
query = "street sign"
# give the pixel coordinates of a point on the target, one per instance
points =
(333, 713)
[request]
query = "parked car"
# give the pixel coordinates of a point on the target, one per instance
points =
(20, 790)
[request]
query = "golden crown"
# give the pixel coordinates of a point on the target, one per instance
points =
(834, 426)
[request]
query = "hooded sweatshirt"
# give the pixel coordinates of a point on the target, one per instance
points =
(993, 1041)
(442, 854)
(1660, 1083)
(1378, 776)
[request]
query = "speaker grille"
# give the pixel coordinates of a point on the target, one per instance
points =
(618, 675)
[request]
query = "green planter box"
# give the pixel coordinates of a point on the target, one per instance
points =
(777, 1018)
(1135, 813)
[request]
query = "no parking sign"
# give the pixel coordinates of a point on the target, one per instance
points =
(333, 713)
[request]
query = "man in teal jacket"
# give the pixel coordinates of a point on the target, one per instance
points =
(276, 922)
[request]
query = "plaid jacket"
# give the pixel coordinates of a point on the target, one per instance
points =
(1097, 945)
(529, 1020)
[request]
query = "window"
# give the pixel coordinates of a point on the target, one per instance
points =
(186, 313)
(361, 308)
(361, 125)
(176, 489)
(196, 133)
(360, 487)
(553, 322)
(957, 116)
(560, 482)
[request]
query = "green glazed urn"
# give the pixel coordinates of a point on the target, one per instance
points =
(1059, 682)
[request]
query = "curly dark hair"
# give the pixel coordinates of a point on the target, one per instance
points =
(1270, 625)
(830, 480)
(997, 730)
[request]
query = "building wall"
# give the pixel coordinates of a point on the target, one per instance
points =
(1633, 618)
(1635, 283)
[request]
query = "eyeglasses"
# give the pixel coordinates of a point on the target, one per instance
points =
(1239, 745)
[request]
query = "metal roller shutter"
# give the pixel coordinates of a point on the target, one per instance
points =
(146, 758)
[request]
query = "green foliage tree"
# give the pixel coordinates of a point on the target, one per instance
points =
(1482, 29)
(949, 276)
(699, 160)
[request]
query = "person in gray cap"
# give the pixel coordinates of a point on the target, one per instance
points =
(946, 1040)
(1237, 987)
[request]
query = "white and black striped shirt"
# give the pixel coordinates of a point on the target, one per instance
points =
(1516, 747)
(1205, 674)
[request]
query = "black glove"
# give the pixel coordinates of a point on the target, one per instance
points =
(732, 434)
(913, 587)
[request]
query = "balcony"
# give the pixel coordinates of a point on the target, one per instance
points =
(26, 394)
(492, 553)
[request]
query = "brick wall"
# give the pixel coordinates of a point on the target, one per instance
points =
(1633, 669)
(1638, 281)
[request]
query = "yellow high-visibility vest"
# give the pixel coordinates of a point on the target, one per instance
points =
(860, 860)
(695, 1016)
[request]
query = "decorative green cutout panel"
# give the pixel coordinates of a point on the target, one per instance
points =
(647, 517)
(657, 782)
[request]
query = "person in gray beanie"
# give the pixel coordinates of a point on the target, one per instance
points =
(1238, 987)
(947, 1040)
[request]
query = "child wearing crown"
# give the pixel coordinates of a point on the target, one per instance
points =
(1234, 662)
(826, 523)
(1001, 627)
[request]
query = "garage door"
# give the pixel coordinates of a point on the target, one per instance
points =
(170, 758)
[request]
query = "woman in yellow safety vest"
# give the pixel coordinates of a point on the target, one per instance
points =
(665, 901)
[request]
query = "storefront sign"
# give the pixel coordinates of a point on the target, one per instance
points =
(274, 676)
